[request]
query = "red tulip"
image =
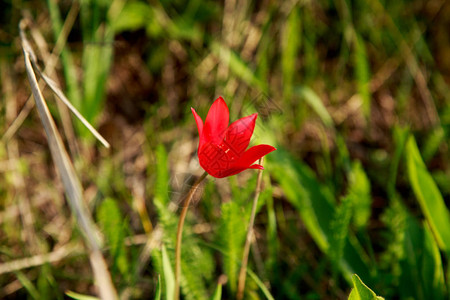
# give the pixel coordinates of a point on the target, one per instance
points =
(221, 150)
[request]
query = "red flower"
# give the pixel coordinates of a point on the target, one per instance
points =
(221, 150)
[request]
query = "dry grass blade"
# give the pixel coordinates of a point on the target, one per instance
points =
(49, 68)
(37, 260)
(69, 178)
(53, 85)
(248, 239)
(18, 121)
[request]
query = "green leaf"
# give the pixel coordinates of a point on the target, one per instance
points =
(313, 202)
(232, 237)
(400, 139)
(161, 189)
(217, 293)
(360, 195)
(196, 269)
(111, 222)
(162, 177)
(422, 275)
(413, 255)
(428, 195)
(361, 291)
(316, 206)
(433, 142)
(77, 296)
(339, 226)
(98, 38)
(315, 103)
(158, 289)
(133, 16)
(168, 274)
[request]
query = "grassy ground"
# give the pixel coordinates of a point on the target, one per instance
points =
(354, 95)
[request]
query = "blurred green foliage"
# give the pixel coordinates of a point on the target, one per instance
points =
(354, 94)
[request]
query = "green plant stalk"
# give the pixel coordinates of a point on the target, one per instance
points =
(243, 271)
(69, 68)
(187, 201)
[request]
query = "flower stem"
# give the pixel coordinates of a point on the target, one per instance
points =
(187, 201)
(243, 270)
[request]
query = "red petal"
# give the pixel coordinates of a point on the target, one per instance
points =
(216, 122)
(252, 155)
(256, 166)
(235, 170)
(230, 172)
(213, 159)
(199, 122)
(245, 162)
(239, 134)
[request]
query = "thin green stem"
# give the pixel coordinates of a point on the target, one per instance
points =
(243, 271)
(187, 201)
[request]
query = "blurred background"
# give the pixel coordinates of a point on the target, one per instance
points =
(354, 94)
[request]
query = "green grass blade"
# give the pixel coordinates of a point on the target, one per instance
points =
(217, 293)
(290, 44)
(359, 192)
(98, 37)
(158, 289)
(260, 284)
(433, 143)
(428, 195)
(28, 285)
(169, 277)
(314, 101)
(69, 69)
(273, 244)
(78, 296)
(400, 138)
(432, 268)
(161, 189)
(238, 66)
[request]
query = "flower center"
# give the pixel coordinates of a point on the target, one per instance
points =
(216, 158)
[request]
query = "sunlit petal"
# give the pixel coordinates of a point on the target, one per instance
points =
(239, 134)
(216, 122)
(252, 155)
